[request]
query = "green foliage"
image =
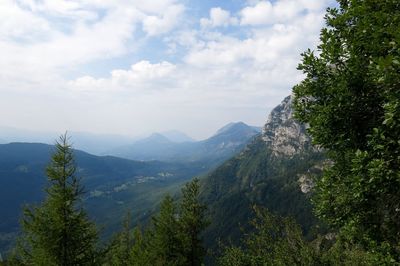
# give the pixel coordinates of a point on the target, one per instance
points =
(173, 237)
(119, 252)
(255, 177)
(165, 244)
(278, 240)
(345, 253)
(58, 232)
(350, 98)
(192, 221)
(274, 241)
(139, 253)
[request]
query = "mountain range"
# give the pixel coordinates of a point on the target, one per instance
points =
(273, 169)
(219, 147)
(114, 185)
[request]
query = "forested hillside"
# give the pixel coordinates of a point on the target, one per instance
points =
(270, 172)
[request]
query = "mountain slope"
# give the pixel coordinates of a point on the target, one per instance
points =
(177, 136)
(224, 144)
(269, 172)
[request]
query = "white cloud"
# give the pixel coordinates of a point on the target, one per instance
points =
(69, 9)
(261, 13)
(140, 77)
(155, 25)
(211, 75)
(145, 70)
(42, 40)
(18, 24)
(281, 11)
(218, 17)
(262, 46)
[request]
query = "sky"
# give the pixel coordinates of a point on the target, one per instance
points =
(134, 67)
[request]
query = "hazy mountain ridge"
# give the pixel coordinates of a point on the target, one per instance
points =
(89, 142)
(177, 136)
(272, 170)
(219, 147)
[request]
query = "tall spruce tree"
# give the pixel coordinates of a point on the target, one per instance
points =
(165, 246)
(192, 221)
(351, 100)
(58, 232)
(119, 252)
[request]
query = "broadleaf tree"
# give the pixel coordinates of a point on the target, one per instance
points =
(350, 98)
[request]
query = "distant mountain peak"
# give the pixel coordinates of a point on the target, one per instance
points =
(233, 126)
(177, 136)
(155, 137)
(176, 146)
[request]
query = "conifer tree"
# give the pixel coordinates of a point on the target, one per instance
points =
(193, 222)
(119, 253)
(174, 237)
(58, 232)
(165, 244)
(139, 254)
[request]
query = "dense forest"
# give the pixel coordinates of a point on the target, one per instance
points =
(350, 102)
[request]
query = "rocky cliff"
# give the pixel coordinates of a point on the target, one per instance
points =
(283, 134)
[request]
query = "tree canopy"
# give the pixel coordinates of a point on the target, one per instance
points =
(350, 98)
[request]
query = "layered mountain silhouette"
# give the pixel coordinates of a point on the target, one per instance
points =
(271, 169)
(114, 185)
(223, 144)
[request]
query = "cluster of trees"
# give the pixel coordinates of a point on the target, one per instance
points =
(277, 240)
(58, 232)
(173, 238)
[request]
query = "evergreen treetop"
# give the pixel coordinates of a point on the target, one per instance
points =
(58, 232)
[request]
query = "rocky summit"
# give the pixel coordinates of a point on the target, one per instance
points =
(283, 134)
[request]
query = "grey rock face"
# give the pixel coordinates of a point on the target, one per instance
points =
(306, 183)
(282, 133)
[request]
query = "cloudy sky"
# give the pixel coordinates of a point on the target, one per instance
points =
(133, 67)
